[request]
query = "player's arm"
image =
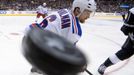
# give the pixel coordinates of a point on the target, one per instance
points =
(41, 25)
(31, 26)
(49, 20)
(128, 25)
(45, 24)
(35, 25)
(38, 9)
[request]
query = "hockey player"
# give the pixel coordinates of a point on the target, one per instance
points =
(41, 11)
(127, 49)
(66, 23)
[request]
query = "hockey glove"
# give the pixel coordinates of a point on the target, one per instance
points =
(35, 25)
(126, 29)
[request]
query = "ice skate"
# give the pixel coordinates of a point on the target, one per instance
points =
(102, 69)
(34, 71)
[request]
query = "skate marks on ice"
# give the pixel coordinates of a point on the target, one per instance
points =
(115, 68)
(118, 66)
(17, 65)
(109, 39)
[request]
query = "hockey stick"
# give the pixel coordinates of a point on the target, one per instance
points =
(88, 72)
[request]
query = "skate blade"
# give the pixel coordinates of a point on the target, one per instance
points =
(34, 73)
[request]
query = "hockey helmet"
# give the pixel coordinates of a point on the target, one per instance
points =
(44, 4)
(84, 4)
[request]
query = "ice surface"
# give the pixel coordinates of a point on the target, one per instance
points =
(101, 38)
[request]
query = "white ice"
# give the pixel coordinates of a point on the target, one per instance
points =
(101, 38)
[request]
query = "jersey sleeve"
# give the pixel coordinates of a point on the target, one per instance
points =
(38, 9)
(31, 26)
(128, 25)
(130, 19)
(45, 11)
(52, 23)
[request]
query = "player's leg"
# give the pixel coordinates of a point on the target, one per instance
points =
(126, 52)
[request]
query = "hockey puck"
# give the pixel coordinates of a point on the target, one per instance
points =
(51, 53)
